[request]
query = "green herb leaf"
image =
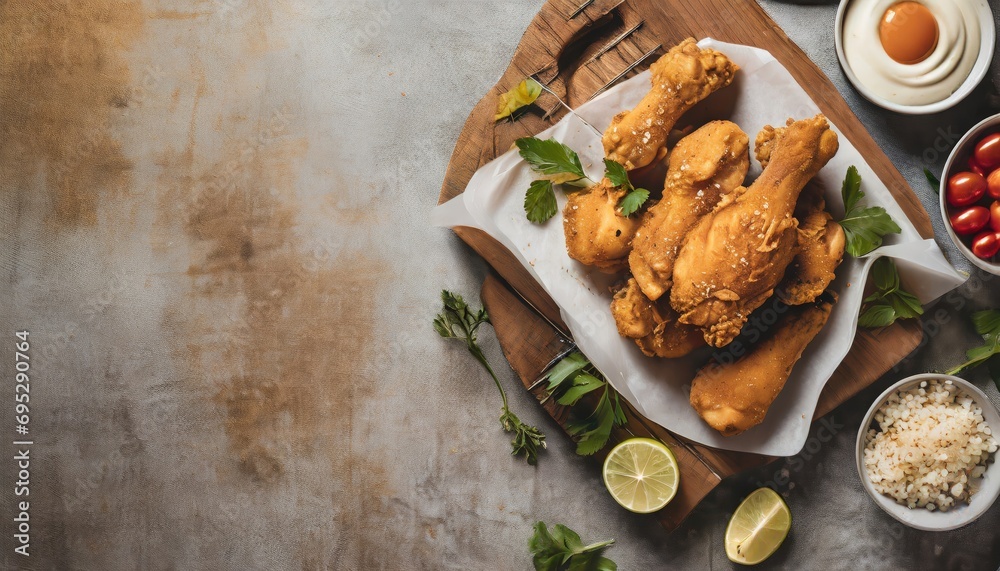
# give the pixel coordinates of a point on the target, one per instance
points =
(851, 189)
(877, 316)
(885, 277)
(561, 549)
(550, 157)
(594, 431)
(458, 321)
(933, 181)
(634, 197)
(523, 95)
(571, 379)
(633, 201)
(583, 383)
(889, 302)
(540, 201)
(566, 369)
(527, 439)
(616, 173)
(987, 324)
(864, 228)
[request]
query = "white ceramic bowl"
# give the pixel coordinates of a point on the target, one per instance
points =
(921, 518)
(979, 70)
(956, 163)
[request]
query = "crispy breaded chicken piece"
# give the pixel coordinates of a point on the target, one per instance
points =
(734, 257)
(703, 167)
(596, 232)
(732, 398)
(821, 244)
(681, 78)
(653, 326)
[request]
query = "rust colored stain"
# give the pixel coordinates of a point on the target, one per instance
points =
(177, 15)
(63, 82)
(292, 331)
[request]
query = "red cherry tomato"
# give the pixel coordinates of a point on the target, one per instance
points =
(971, 220)
(986, 245)
(974, 167)
(965, 188)
(993, 183)
(995, 215)
(987, 152)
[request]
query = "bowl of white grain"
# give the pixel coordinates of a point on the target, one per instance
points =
(926, 451)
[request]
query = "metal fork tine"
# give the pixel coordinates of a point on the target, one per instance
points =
(614, 42)
(580, 9)
(628, 69)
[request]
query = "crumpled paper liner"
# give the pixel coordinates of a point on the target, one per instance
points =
(763, 93)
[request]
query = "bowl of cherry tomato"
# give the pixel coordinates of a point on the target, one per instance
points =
(970, 195)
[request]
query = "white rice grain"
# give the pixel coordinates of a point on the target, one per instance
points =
(931, 446)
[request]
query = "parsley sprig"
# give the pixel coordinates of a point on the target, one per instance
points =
(863, 227)
(635, 197)
(558, 164)
(889, 302)
(568, 381)
(562, 550)
(987, 324)
(458, 321)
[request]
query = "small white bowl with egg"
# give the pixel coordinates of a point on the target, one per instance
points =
(915, 57)
(935, 448)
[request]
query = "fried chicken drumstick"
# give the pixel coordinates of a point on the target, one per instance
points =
(596, 232)
(732, 398)
(703, 167)
(681, 78)
(734, 257)
(821, 244)
(653, 325)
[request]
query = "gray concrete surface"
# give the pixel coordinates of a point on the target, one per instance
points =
(214, 222)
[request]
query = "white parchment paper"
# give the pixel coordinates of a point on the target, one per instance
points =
(763, 93)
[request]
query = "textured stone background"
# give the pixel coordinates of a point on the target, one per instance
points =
(215, 225)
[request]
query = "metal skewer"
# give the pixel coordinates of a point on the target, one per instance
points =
(614, 43)
(628, 69)
(580, 9)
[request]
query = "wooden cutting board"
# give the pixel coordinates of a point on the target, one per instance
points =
(566, 48)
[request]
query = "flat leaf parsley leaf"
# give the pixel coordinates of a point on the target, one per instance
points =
(523, 95)
(558, 164)
(458, 321)
(889, 302)
(635, 197)
(550, 157)
(540, 201)
(570, 380)
(561, 549)
(863, 227)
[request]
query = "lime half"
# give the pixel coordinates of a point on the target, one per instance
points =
(641, 474)
(758, 527)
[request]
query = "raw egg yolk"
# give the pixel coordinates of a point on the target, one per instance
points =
(909, 32)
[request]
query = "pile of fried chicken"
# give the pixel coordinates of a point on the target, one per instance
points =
(698, 261)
